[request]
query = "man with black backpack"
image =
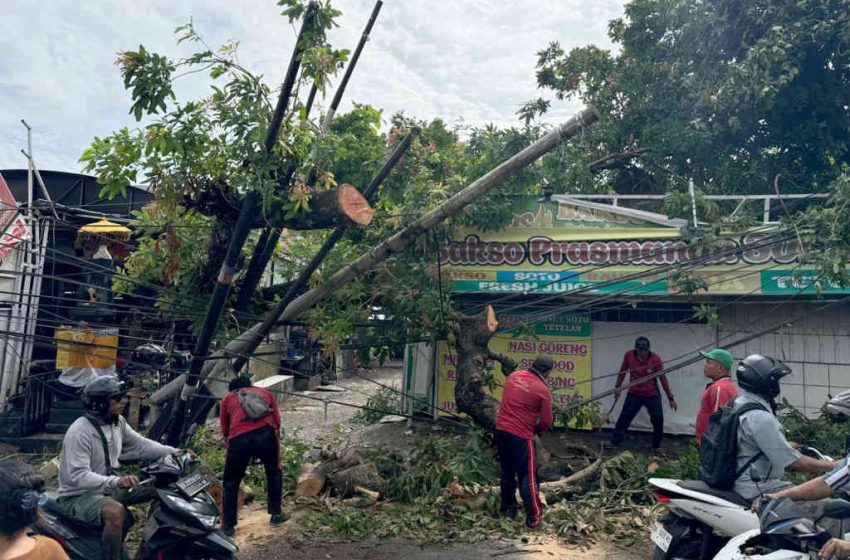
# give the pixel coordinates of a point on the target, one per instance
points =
(250, 424)
(745, 437)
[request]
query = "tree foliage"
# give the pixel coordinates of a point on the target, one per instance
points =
(728, 93)
(200, 157)
(741, 97)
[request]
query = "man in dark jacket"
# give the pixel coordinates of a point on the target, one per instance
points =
(246, 439)
(525, 410)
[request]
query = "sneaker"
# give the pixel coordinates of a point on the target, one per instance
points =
(229, 531)
(279, 518)
(535, 526)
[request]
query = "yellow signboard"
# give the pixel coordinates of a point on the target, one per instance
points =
(86, 348)
(566, 337)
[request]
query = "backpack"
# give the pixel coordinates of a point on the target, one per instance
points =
(718, 450)
(253, 405)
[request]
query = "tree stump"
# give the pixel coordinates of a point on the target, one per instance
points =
(364, 475)
(472, 335)
(309, 480)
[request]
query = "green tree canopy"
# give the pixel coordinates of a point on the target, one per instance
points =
(731, 94)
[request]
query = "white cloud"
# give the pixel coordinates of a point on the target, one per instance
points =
(466, 60)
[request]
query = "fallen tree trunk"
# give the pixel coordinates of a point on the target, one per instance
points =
(554, 491)
(364, 475)
(247, 342)
(576, 483)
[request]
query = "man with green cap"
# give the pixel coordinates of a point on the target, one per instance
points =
(718, 364)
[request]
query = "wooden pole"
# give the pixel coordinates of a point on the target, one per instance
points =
(269, 237)
(247, 215)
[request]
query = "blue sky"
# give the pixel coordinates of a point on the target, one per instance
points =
(469, 61)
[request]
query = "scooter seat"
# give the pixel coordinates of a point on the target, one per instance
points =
(728, 495)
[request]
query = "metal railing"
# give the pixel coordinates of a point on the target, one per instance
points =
(767, 200)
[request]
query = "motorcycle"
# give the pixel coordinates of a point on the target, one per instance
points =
(181, 524)
(784, 533)
(700, 519)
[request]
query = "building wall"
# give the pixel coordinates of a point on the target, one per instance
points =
(673, 343)
(817, 347)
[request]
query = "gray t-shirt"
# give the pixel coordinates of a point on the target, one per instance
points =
(759, 431)
(82, 465)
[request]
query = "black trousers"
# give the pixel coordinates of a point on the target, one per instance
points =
(519, 466)
(631, 407)
(241, 450)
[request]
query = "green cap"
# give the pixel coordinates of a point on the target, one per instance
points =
(720, 355)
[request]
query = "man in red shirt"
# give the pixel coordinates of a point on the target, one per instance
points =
(640, 363)
(246, 439)
(718, 364)
(525, 410)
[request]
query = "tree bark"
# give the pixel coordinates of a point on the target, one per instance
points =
(472, 335)
(309, 480)
(364, 475)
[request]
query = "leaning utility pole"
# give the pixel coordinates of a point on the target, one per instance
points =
(217, 370)
(270, 236)
(247, 216)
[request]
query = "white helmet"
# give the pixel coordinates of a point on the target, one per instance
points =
(840, 404)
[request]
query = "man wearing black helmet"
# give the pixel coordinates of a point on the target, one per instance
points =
(762, 447)
(90, 489)
(525, 410)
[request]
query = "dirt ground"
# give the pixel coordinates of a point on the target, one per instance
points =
(314, 422)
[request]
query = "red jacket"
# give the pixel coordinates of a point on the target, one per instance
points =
(715, 396)
(638, 369)
(526, 406)
(231, 415)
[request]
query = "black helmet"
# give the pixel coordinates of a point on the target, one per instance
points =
(180, 359)
(761, 374)
(98, 391)
(151, 355)
(840, 404)
(542, 364)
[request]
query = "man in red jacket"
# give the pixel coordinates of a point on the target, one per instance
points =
(718, 364)
(248, 438)
(640, 363)
(525, 410)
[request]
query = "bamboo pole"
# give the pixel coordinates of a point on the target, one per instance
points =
(247, 215)
(270, 236)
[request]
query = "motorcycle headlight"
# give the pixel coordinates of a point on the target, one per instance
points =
(194, 509)
(208, 521)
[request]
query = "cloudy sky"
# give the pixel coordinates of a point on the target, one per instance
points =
(469, 61)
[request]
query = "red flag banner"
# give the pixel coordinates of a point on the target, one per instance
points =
(8, 204)
(14, 234)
